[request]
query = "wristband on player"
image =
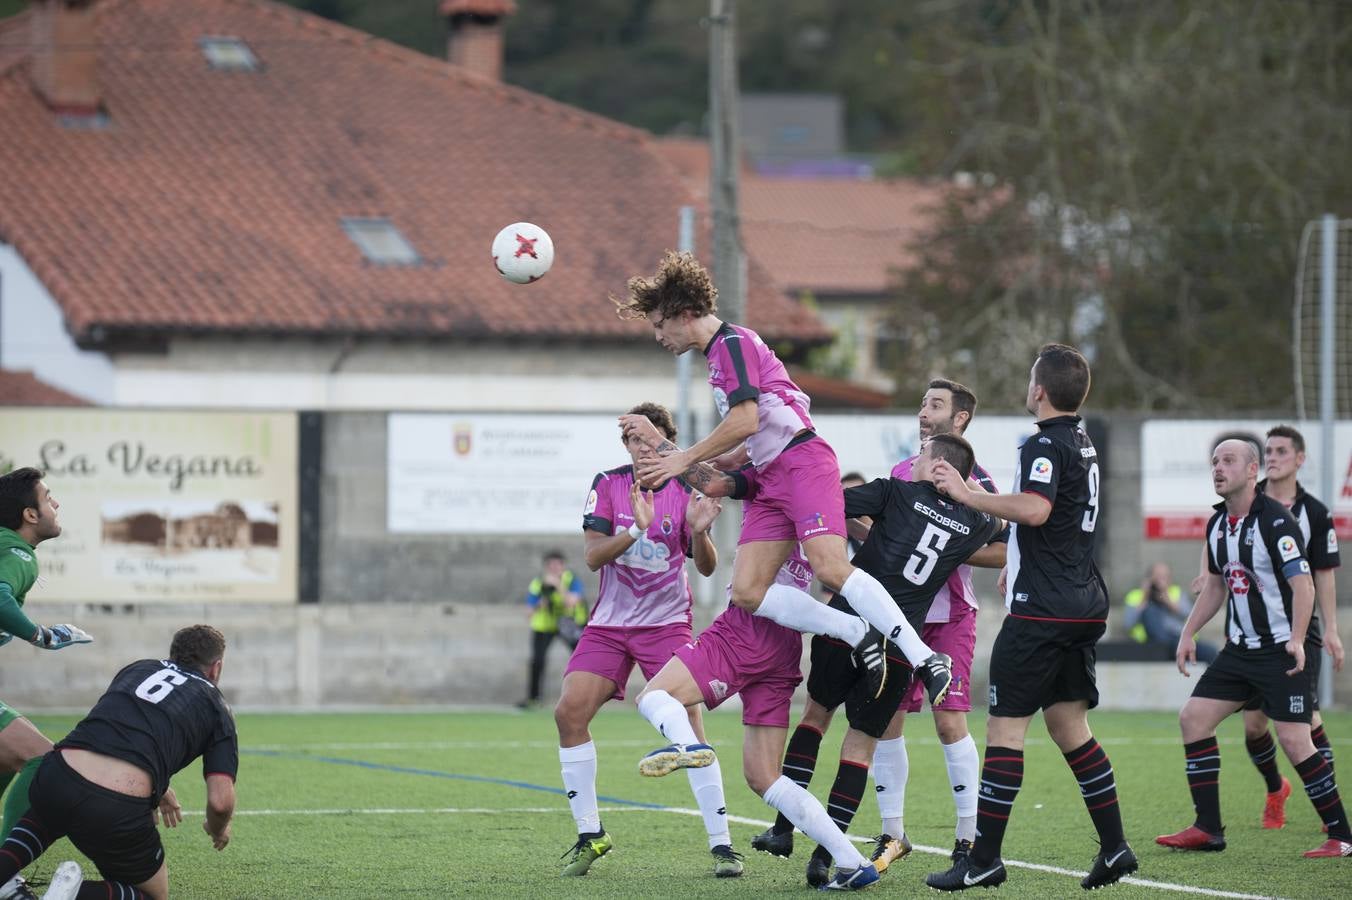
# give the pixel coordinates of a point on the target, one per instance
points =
(635, 532)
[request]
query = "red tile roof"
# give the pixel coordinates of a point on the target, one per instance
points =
(829, 236)
(477, 7)
(836, 393)
(23, 389)
(212, 201)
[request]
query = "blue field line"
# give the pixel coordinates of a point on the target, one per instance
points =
(434, 773)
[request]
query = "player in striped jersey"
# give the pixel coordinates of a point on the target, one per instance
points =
(1283, 455)
(1258, 568)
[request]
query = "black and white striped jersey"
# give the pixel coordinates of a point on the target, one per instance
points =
(1321, 543)
(1257, 554)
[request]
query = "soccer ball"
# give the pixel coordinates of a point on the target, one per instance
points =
(523, 252)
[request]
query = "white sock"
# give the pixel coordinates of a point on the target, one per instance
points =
(964, 772)
(796, 609)
(872, 601)
(707, 786)
(668, 716)
(807, 813)
(891, 768)
(579, 780)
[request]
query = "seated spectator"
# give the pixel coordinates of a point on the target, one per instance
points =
(1158, 610)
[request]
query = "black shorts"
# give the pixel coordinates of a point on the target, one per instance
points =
(1036, 663)
(1248, 675)
(115, 831)
(834, 679)
(1314, 662)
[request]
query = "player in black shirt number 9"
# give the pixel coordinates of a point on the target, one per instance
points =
(1044, 656)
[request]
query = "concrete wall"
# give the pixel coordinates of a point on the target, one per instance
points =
(412, 619)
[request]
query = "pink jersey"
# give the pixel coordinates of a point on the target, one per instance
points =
(646, 586)
(959, 584)
(741, 368)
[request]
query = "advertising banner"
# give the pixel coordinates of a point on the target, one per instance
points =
(162, 505)
(1176, 491)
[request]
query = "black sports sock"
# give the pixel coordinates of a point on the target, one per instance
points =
(1204, 778)
(1321, 743)
(25, 843)
(800, 761)
(1320, 787)
(102, 890)
(847, 792)
(1263, 752)
(1098, 787)
(1001, 778)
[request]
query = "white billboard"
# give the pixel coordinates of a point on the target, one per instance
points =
(1176, 492)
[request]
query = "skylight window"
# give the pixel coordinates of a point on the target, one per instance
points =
(229, 53)
(380, 242)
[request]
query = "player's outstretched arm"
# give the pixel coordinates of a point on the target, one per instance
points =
(738, 425)
(991, 556)
(220, 809)
(1025, 509)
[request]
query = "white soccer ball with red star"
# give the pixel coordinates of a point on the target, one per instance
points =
(523, 252)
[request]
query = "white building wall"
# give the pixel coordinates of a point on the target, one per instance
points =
(33, 336)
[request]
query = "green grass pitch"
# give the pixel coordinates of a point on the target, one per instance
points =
(468, 804)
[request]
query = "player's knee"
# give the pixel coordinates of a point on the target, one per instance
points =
(1255, 724)
(759, 780)
(950, 728)
(1296, 743)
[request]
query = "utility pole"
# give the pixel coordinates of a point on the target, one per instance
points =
(729, 265)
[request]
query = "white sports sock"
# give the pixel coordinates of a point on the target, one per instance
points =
(668, 716)
(796, 609)
(891, 768)
(707, 786)
(872, 601)
(579, 780)
(964, 772)
(807, 813)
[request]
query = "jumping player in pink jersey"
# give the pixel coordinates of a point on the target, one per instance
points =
(766, 422)
(639, 540)
(741, 653)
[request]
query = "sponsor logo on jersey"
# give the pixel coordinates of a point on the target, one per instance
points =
(591, 504)
(1237, 579)
(1020, 598)
(1041, 471)
(1333, 541)
(22, 554)
(1287, 547)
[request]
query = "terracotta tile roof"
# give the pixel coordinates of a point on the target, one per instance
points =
(829, 236)
(212, 201)
(23, 389)
(477, 7)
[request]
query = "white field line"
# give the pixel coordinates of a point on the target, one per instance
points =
(742, 820)
(930, 740)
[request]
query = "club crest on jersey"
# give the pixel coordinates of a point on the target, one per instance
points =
(462, 439)
(1297, 704)
(1287, 547)
(1041, 471)
(666, 523)
(591, 504)
(1237, 579)
(22, 554)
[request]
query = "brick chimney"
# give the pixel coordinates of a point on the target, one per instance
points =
(65, 55)
(475, 41)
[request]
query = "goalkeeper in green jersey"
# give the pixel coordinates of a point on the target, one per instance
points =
(27, 518)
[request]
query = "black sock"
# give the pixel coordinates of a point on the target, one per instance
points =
(102, 890)
(847, 792)
(1204, 780)
(25, 843)
(800, 761)
(1001, 778)
(1263, 752)
(1320, 787)
(1321, 743)
(1098, 787)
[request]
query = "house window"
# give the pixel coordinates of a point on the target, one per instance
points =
(380, 242)
(229, 53)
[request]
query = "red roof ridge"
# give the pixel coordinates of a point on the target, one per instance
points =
(439, 67)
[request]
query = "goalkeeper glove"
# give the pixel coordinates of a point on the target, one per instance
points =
(59, 636)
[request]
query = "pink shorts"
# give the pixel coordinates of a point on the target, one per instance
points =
(957, 638)
(744, 654)
(797, 496)
(612, 652)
